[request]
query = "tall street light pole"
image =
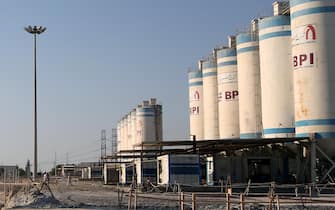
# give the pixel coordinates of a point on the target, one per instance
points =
(35, 31)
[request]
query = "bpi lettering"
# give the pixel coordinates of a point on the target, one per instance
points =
(194, 110)
(231, 94)
(303, 60)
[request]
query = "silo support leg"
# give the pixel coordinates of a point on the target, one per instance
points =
(330, 160)
(313, 162)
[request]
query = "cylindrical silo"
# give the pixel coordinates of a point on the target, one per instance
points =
(145, 123)
(249, 85)
(313, 50)
(125, 133)
(122, 147)
(228, 93)
(158, 120)
(133, 127)
(129, 132)
(210, 102)
(196, 104)
(276, 77)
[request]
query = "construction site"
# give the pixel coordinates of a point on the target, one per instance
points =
(262, 132)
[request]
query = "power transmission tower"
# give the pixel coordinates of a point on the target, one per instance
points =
(114, 141)
(103, 144)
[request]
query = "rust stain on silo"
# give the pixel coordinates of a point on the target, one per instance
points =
(303, 110)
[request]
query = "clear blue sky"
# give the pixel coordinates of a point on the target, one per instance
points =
(96, 61)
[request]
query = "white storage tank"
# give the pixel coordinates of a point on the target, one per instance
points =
(228, 93)
(249, 84)
(146, 170)
(122, 141)
(130, 143)
(180, 169)
(125, 133)
(313, 49)
(210, 102)
(133, 127)
(276, 77)
(196, 104)
(145, 123)
(158, 119)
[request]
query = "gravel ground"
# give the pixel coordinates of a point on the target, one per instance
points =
(93, 195)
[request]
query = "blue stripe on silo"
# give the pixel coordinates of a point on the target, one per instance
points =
(208, 64)
(146, 109)
(230, 52)
(209, 74)
(274, 21)
(246, 37)
(315, 10)
(227, 63)
(297, 2)
(247, 49)
(274, 34)
(316, 122)
(250, 135)
(194, 74)
(278, 130)
(318, 135)
(195, 84)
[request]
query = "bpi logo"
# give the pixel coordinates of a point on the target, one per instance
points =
(195, 96)
(310, 32)
(304, 34)
(195, 110)
(303, 60)
(228, 95)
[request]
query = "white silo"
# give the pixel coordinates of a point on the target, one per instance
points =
(121, 134)
(249, 84)
(276, 77)
(125, 133)
(313, 49)
(210, 102)
(129, 132)
(158, 119)
(228, 93)
(133, 127)
(145, 123)
(196, 104)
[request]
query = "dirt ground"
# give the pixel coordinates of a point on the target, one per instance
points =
(94, 195)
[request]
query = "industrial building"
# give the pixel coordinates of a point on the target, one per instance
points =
(261, 109)
(274, 81)
(9, 172)
(142, 124)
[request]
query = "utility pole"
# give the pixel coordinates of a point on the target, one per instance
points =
(67, 158)
(35, 31)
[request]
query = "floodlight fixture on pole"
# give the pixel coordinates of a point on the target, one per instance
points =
(35, 31)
